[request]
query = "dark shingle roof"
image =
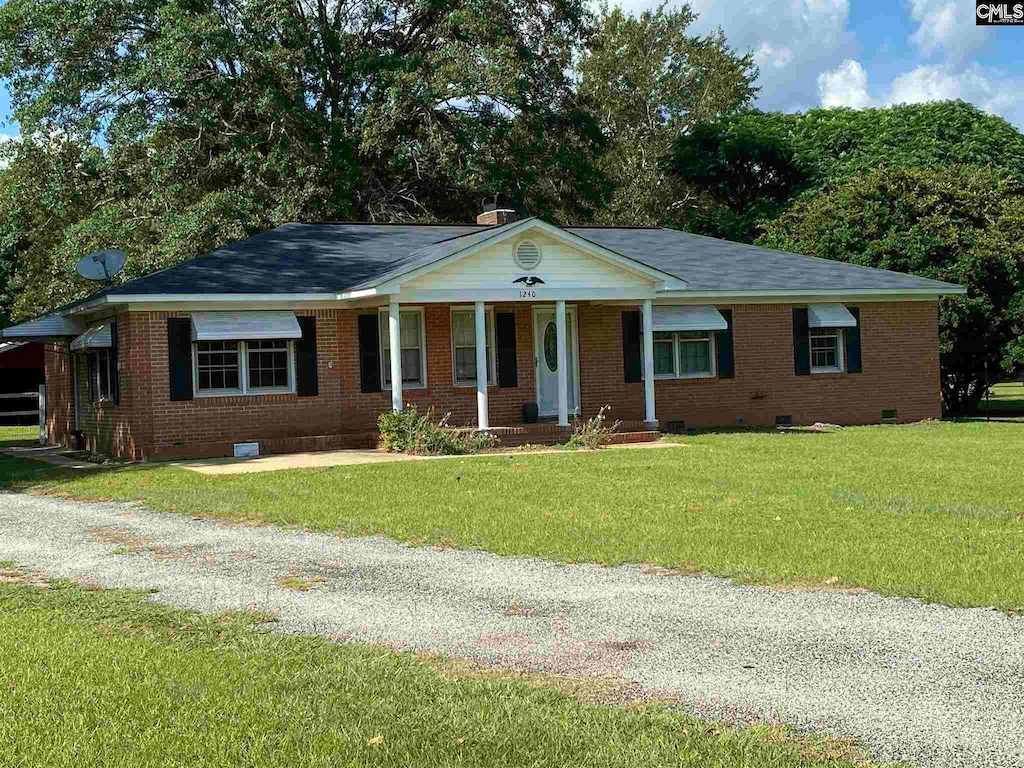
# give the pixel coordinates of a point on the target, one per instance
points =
(709, 264)
(296, 258)
(332, 258)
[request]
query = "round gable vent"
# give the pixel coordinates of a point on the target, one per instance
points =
(527, 254)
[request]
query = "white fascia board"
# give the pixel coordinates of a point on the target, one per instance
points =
(513, 295)
(662, 280)
(802, 294)
(361, 294)
(201, 298)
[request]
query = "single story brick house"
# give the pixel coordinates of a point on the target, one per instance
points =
(298, 338)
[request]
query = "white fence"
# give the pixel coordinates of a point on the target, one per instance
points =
(39, 411)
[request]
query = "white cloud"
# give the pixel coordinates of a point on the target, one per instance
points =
(945, 26)
(935, 83)
(791, 40)
(847, 86)
(767, 56)
(844, 86)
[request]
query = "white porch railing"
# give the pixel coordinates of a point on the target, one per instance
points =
(39, 411)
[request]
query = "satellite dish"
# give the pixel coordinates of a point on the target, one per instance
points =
(101, 265)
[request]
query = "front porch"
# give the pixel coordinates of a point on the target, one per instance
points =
(516, 435)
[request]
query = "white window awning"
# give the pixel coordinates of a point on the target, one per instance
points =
(830, 316)
(689, 318)
(242, 326)
(97, 337)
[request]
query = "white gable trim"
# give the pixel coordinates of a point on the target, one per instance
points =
(662, 280)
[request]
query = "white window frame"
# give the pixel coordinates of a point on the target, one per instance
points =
(384, 335)
(840, 336)
(677, 357)
(243, 373)
(491, 354)
(94, 386)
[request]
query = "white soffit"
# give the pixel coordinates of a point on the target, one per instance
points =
(240, 326)
(689, 318)
(829, 316)
(97, 337)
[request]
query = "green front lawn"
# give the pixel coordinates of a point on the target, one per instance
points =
(103, 678)
(1008, 396)
(17, 436)
(933, 510)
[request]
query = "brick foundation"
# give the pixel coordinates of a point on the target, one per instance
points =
(899, 350)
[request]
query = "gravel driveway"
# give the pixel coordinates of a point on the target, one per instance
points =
(933, 685)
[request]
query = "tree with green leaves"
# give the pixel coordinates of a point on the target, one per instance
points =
(217, 119)
(748, 167)
(963, 224)
(647, 79)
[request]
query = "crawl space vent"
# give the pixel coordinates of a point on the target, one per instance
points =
(527, 254)
(888, 414)
(783, 420)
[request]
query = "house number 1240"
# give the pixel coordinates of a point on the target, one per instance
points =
(527, 294)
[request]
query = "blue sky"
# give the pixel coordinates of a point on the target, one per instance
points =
(856, 53)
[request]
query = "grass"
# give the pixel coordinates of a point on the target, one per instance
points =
(105, 678)
(1005, 397)
(932, 510)
(18, 436)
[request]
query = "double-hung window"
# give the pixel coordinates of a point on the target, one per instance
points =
(684, 354)
(98, 366)
(264, 366)
(827, 350)
(412, 340)
(464, 346)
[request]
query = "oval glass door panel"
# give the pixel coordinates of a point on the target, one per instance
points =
(551, 347)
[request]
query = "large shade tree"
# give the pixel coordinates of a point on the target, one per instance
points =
(218, 118)
(647, 79)
(747, 168)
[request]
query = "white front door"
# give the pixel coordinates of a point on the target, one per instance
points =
(545, 359)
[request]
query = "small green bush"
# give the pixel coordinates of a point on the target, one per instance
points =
(593, 433)
(406, 431)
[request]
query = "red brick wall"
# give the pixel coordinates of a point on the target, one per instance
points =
(504, 403)
(59, 415)
(899, 349)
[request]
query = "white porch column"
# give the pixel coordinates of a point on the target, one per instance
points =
(648, 320)
(395, 350)
(481, 366)
(563, 365)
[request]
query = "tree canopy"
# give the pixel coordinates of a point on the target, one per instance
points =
(202, 121)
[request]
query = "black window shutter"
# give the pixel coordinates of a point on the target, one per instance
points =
(853, 363)
(505, 330)
(115, 373)
(631, 347)
(726, 361)
(369, 353)
(801, 342)
(179, 357)
(306, 382)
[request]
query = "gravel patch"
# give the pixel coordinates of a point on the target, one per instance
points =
(932, 685)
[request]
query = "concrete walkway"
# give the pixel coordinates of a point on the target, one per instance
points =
(230, 466)
(937, 686)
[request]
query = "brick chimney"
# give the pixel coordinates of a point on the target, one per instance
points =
(495, 212)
